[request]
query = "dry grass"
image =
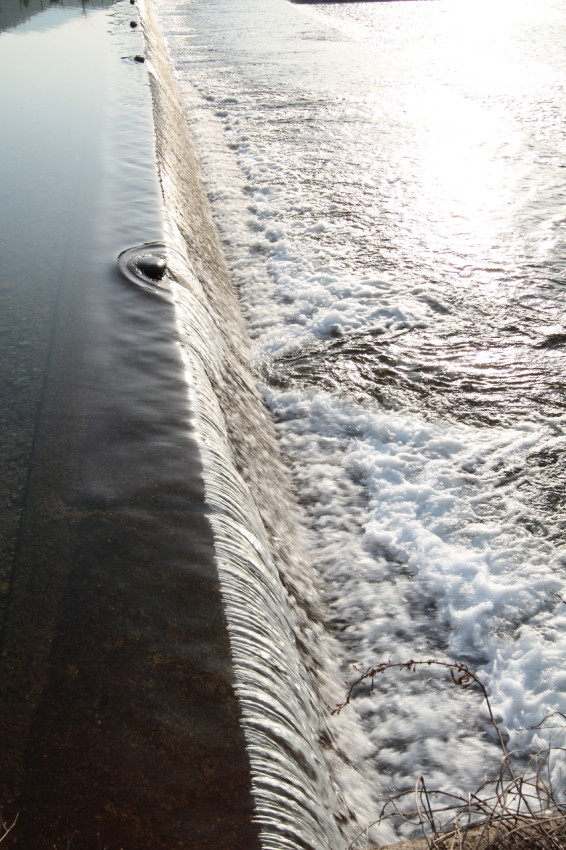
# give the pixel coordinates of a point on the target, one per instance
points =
(517, 810)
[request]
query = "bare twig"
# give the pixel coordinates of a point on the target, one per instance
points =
(461, 676)
(510, 810)
(7, 828)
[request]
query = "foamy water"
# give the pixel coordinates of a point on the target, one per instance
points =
(388, 182)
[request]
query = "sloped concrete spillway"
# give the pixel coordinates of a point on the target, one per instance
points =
(160, 657)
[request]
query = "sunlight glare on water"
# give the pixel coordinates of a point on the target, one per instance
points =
(389, 181)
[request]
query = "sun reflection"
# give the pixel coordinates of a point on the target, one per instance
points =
(464, 151)
(457, 119)
(468, 170)
(483, 358)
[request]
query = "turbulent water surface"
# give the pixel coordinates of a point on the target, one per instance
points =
(389, 181)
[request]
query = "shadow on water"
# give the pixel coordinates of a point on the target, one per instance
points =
(13, 13)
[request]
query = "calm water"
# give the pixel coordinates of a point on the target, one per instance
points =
(389, 181)
(119, 725)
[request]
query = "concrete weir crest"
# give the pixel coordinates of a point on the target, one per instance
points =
(119, 723)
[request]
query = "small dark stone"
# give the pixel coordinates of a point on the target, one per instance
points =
(132, 2)
(151, 266)
(133, 24)
(139, 59)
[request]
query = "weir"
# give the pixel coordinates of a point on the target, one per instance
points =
(119, 723)
(162, 656)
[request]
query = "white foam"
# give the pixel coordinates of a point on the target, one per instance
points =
(415, 525)
(422, 546)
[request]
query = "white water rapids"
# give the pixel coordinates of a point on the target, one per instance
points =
(388, 180)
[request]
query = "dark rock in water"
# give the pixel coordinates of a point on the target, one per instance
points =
(145, 266)
(132, 2)
(139, 59)
(133, 24)
(152, 266)
(557, 340)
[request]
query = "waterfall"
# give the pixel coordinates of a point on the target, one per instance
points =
(281, 650)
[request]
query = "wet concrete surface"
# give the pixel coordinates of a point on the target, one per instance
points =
(119, 725)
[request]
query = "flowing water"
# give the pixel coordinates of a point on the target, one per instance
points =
(389, 182)
(155, 615)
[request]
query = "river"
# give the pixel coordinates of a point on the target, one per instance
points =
(388, 181)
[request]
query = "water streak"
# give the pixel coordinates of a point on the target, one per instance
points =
(280, 647)
(388, 181)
